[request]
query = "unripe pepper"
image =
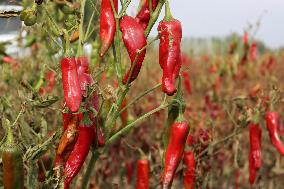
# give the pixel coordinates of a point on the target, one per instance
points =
(189, 173)
(78, 154)
(272, 121)
(71, 84)
(255, 151)
(13, 168)
(107, 25)
(142, 180)
(134, 40)
(174, 152)
(143, 16)
(170, 34)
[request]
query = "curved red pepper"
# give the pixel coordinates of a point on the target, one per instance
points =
(83, 71)
(107, 25)
(169, 53)
(255, 151)
(143, 16)
(186, 81)
(272, 121)
(134, 40)
(78, 154)
(189, 173)
(71, 84)
(142, 181)
(174, 152)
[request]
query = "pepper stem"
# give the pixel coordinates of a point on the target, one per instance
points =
(168, 14)
(8, 130)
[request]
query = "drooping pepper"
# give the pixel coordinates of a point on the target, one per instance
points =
(254, 151)
(170, 34)
(13, 168)
(85, 79)
(174, 152)
(189, 173)
(107, 25)
(134, 40)
(186, 81)
(71, 84)
(143, 16)
(78, 154)
(142, 180)
(272, 121)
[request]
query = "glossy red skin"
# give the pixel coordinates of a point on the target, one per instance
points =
(83, 71)
(71, 84)
(142, 180)
(107, 25)
(143, 16)
(186, 81)
(272, 121)
(78, 154)
(174, 152)
(189, 173)
(169, 53)
(255, 151)
(134, 40)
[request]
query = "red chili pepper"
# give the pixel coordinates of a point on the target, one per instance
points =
(142, 181)
(143, 16)
(107, 24)
(245, 38)
(50, 77)
(255, 151)
(170, 34)
(8, 60)
(186, 81)
(78, 154)
(272, 121)
(129, 171)
(13, 168)
(253, 51)
(189, 173)
(71, 84)
(134, 40)
(174, 152)
(83, 71)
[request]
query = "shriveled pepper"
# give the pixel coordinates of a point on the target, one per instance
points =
(255, 151)
(272, 122)
(143, 16)
(71, 84)
(134, 40)
(170, 34)
(13, 168)
(142, 180)
(107, 25)
(174, 152)
(78, 154)
(189, 173)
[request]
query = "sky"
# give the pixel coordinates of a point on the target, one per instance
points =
(207, 18)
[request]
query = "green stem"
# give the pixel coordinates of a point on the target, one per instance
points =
(114, 137)
(81, 28)
(124, 7)
(9, 132)
(140, 96)
(154, 17)
(89, 170)
(168, 14)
